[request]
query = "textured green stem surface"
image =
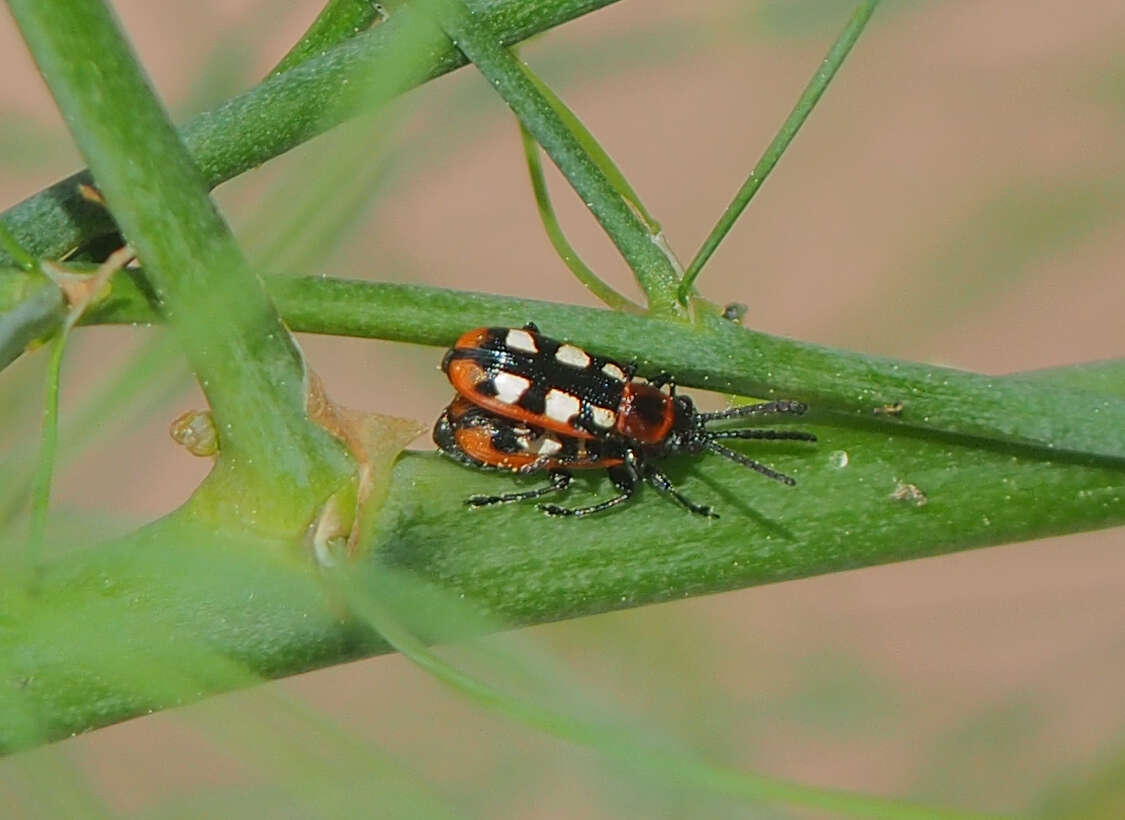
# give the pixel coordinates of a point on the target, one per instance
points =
(866, 495)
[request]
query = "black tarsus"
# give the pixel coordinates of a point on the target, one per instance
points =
(560, 480)
(624, 478)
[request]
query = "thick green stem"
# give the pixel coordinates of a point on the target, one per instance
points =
(867, 494)
(245, 360)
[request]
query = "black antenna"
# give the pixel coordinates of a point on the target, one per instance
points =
(766, 408)
(773, 435)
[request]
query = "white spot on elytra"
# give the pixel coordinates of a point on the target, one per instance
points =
(573, 356)
(549, 446)
(521, 340)
(602, 417)
(509, 387)
(561, 406)
(613, 371)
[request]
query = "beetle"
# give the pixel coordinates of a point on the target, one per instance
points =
(528, 403)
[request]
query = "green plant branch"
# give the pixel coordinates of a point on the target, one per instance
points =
(868, 493)
(805, 104)
(246, 362)
(725, 357)
(582, 272)
(848, 510)
(289, 109)
(188, 585)
(1019, 409)
(651, 265)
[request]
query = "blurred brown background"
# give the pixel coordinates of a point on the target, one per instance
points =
(957, 198)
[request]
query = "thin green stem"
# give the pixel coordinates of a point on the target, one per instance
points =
(594, 149)
(563, 248)
(805, 104)
(49, 439)
(151, 378)
(31, 308)
(286, 110)
(13, 248)
(339, 20)
(48, 450)
(653, 267)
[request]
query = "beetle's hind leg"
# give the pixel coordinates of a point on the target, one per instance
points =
(560, 480)
(623, 478)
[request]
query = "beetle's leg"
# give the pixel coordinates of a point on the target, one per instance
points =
(560, 480)
(756, 466)
(624, 479)
(660, 481)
